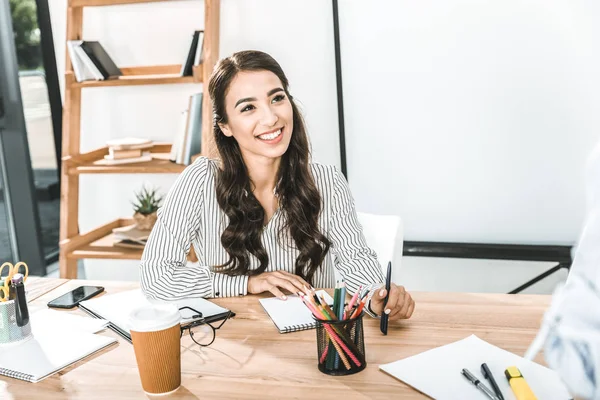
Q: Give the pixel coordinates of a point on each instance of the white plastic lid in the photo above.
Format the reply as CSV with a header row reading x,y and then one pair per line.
x,y
150,318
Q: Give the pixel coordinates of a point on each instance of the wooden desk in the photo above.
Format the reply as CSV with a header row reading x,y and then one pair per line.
x,y
37,286
251,360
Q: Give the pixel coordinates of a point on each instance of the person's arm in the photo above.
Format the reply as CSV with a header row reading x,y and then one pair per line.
x,y
165,273
354,259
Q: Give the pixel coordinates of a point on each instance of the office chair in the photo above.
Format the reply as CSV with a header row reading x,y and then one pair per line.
x,y
384,234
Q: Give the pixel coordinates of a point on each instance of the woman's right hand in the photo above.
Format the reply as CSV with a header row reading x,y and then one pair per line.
x,y
274,282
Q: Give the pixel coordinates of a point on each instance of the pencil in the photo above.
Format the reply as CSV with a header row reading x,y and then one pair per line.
x,y
326,307
353,300
341,354
358,309
341,343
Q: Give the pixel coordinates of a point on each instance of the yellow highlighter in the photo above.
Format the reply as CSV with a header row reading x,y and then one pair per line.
x,y
518,384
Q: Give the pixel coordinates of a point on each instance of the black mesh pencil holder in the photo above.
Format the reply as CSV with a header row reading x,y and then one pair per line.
x,y
341,346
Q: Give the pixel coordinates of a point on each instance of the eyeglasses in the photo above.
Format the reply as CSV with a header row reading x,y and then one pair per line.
x,y
202,332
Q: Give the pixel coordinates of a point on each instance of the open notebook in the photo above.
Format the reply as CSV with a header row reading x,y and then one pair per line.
x,y
437,372
291,315
48,352
117,307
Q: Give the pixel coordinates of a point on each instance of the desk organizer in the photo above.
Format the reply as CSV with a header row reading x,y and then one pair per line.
x,y
10,332
341,346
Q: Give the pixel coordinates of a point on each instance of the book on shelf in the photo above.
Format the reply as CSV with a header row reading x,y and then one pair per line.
x,y
114,154
128,150
90,61
145,157
129,143
178,138
83,68
194,54
188,139
101,59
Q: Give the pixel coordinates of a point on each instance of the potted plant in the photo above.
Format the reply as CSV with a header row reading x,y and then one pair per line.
x,y
145,208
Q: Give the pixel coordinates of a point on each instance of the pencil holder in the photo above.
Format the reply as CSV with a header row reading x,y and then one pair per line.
x,y
341,346
10,331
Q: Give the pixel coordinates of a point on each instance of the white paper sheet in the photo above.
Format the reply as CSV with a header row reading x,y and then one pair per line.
x,y
437,372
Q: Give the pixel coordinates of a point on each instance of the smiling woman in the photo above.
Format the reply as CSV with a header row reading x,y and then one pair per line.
x,y
263,217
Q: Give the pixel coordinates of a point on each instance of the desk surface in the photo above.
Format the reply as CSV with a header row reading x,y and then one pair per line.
x,y
250,359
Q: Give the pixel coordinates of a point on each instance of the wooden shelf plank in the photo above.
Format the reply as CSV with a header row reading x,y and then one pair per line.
x,y
93,163
143,75
93,3
99,244
137,80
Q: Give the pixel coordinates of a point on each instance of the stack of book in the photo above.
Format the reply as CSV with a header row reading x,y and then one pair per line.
x,y
128,150
130,237
91,62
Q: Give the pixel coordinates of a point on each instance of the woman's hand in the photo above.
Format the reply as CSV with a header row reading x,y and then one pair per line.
x,y
399,306
274,282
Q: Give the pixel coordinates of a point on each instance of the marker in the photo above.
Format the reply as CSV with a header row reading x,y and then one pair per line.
x,y
518,384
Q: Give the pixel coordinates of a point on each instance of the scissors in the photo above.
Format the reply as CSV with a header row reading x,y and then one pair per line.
x,y
12,270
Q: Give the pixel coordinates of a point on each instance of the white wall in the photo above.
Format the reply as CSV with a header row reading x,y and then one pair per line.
x,y
472,119
152,34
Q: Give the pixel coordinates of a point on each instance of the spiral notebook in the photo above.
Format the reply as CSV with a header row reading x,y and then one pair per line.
x,y
49,352
291,315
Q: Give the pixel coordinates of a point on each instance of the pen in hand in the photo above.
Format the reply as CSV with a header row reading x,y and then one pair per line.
x,y
384,316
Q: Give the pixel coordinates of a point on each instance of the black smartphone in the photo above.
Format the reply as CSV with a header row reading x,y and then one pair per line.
x,y
72,298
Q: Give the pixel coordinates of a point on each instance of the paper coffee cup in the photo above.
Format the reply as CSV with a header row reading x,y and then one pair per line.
x,y
155,333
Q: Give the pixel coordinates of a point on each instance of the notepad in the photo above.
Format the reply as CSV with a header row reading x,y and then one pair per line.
x,y
42,319
47,353
117,307
291,315
437,372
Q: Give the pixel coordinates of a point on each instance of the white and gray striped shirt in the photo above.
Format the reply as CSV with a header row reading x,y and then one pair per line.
x,y
191,215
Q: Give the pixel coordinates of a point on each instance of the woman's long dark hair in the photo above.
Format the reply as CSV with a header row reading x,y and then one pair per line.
x,y
298,196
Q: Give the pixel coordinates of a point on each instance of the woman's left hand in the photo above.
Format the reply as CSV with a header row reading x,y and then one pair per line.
x,y
400,304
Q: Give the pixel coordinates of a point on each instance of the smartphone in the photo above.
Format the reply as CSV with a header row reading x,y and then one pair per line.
x,y
72,298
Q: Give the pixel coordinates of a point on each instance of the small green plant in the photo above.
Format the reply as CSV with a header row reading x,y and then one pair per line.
x,y
147,201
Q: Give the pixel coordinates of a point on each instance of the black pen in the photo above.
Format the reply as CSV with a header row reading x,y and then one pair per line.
x,y
384,317
478,384
487,374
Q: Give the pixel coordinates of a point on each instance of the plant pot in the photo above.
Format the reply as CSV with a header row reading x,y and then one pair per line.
x,y
144,222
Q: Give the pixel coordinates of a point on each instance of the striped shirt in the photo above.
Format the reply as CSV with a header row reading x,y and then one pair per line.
x,y
191,215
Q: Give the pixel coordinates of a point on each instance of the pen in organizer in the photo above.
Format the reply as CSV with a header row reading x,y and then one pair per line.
x,y
17,283
487,374
478,384
383,326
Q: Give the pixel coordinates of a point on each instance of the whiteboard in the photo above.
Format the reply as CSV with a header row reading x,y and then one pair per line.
x,y
472,120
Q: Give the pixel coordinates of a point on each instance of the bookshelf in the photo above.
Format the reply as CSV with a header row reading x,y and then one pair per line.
x,y
97,243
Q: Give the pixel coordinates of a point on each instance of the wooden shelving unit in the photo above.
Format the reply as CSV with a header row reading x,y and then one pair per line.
x,y
98,242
